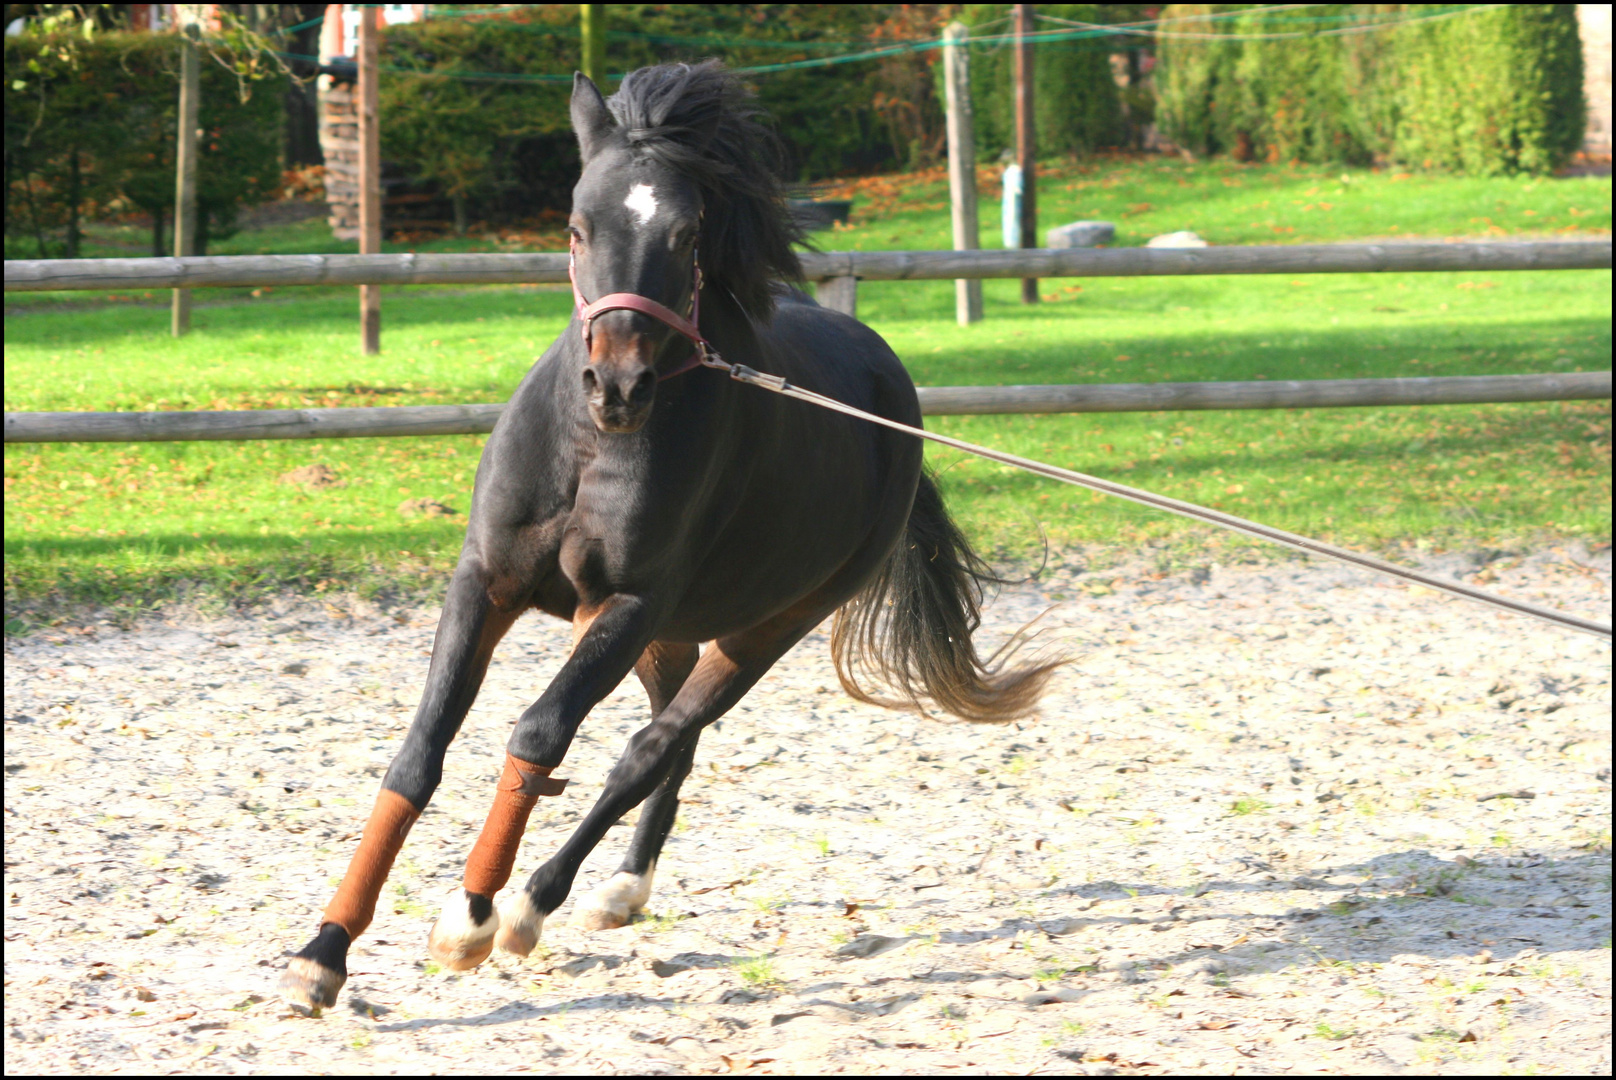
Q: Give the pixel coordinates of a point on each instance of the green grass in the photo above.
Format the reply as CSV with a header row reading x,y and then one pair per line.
x,y
758,972
1230,203
115,522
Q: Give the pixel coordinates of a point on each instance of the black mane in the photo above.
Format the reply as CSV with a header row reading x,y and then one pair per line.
x,y
746,241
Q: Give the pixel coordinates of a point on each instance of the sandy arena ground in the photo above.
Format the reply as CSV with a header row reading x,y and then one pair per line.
x,y
1275,818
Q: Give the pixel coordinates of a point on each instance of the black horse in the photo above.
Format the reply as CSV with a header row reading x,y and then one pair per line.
x,y
659,506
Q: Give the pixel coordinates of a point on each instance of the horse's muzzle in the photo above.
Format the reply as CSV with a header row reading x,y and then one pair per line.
x,y
620,395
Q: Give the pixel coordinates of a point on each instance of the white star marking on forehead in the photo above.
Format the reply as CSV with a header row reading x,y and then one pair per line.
x,y
641,200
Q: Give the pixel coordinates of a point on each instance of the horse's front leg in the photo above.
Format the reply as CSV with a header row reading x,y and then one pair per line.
x,y
469,628
609,637
725,672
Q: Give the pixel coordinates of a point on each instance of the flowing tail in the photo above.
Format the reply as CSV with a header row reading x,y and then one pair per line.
x,y
911,628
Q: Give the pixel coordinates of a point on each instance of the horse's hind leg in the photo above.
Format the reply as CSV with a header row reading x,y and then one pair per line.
x,y
663,670
468,630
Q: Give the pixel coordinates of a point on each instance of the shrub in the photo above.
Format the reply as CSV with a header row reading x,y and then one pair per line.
x,y
504,148
1075,101
90,128
1495,91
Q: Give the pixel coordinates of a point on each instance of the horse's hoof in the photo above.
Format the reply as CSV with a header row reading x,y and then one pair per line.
x,y
614,903
311,984
458,941
598,919
520,924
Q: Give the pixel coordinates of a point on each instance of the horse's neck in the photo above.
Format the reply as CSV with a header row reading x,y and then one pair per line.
x,y
738,337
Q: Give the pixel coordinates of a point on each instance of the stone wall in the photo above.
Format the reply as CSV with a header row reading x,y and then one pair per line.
x,y
339,142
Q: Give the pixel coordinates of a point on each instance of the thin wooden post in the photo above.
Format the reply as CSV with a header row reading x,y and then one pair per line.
x,y
962,165
185,158
1026,141
370,179
839,294
592,27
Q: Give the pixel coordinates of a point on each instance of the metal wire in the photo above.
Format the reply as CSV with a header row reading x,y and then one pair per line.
x,y
742,373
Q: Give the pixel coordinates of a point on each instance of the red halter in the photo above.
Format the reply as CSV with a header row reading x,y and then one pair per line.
x,y
704,354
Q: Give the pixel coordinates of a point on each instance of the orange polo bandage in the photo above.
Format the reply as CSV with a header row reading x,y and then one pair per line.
x,y
489,866
355,903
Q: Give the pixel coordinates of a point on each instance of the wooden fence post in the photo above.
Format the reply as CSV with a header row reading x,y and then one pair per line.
x,y
370,179
1026,141
962,165
185,158
838,294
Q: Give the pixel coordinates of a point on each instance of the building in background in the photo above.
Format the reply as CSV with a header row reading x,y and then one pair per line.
x,y
1593,22
339,108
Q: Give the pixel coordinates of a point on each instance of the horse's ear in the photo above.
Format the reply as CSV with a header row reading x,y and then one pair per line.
x,y
590,117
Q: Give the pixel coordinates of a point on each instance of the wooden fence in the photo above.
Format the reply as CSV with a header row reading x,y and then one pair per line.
x,y
837,275
35,427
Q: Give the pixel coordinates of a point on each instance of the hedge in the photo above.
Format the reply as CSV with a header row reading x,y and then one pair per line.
x,y
505,148
89,129
1489,92
1076,106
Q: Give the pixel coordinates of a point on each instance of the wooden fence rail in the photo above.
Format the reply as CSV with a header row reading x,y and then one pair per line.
x,y
934,401
837,272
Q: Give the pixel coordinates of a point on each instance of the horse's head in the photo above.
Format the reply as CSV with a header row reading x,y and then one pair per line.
x,y
634,226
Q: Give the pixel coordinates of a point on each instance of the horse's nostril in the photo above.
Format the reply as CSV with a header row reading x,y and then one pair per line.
x,y
591,381
643,385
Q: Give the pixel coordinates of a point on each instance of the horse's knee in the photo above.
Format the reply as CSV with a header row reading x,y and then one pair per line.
x,y
541,735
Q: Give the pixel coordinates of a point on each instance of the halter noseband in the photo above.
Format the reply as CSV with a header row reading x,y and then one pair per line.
x,y
703,356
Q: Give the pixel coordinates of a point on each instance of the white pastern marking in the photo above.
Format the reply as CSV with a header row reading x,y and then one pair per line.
x,y
614,903
456,925
642,200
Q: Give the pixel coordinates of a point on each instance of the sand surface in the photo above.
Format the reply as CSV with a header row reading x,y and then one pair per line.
x,y
1279,817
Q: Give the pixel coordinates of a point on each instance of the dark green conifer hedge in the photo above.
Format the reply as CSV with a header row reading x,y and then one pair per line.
x,y
89,128
1076,107
1493,91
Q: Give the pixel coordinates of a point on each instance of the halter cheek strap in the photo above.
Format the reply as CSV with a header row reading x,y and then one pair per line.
x,y
704,354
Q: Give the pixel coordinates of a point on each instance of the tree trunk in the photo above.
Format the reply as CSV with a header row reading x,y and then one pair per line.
x,y
75,192
459,202
185,161
592,30
33,215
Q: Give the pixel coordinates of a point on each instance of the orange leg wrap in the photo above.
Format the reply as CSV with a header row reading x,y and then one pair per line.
x,y
489,866
355,903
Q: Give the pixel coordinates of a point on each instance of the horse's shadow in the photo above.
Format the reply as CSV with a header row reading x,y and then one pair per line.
x,y
517,1011
1395,880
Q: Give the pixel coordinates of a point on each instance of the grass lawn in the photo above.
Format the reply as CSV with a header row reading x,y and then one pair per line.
x,y
109,521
